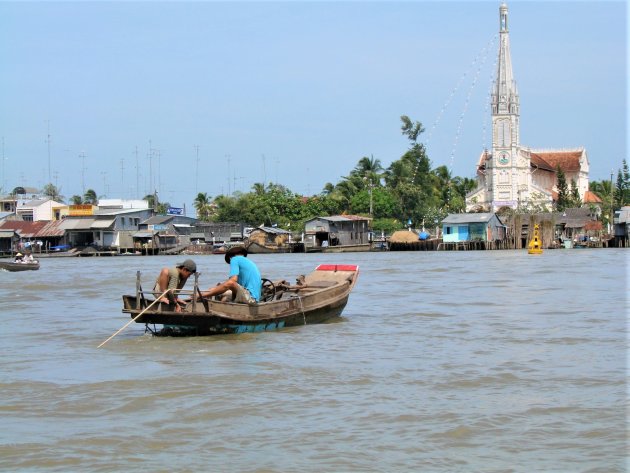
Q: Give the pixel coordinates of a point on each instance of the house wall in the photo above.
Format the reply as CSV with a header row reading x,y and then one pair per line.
x,y
492,230
455,232
353,232
345,232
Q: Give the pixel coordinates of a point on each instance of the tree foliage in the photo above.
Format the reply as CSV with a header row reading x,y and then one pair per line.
x,y
90,197
622,186
408,188
564,198
203,206
52,191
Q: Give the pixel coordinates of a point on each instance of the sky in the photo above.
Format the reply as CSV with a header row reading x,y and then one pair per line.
x,y
128,98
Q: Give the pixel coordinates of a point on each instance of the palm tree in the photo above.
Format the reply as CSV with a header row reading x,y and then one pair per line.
x,y
51,190
412,130
259,188
76,200
328,189
202,206
90,197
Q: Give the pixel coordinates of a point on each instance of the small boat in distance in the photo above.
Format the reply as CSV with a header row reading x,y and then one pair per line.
x,y
315,298
13,266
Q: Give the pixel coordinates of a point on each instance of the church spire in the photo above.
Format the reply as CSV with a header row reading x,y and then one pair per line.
x,y
504,95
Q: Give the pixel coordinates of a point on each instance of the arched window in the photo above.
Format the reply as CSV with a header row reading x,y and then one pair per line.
x,y
504,133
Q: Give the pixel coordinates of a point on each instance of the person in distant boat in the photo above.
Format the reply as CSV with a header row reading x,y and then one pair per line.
x,y
174,278
28,258
19,258
244,280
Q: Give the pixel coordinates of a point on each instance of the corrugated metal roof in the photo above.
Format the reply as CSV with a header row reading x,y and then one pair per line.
x,y
103,223
468,218
157,219
142,235
274,230
24,229
70,223
341,218
7,233
118,211
575,217
51,229
624,215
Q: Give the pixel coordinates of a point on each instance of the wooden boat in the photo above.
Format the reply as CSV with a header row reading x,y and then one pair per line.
x,y
265,240
347,248
254,247
12,266
314,298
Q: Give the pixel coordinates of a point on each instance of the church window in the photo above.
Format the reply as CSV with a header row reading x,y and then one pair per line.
x,y
504,133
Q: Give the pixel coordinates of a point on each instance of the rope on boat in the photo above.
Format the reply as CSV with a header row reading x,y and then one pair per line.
x,y
302,306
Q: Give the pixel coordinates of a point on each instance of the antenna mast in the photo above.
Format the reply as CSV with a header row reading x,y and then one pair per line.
x,y
48,143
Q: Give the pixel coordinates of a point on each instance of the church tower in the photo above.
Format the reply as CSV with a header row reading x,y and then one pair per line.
x,y
510,174
505,168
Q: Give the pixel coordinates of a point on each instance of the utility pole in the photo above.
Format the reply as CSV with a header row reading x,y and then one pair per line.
x,y
137,175
82,156
3,158
264,172
122,177
229,158
48,143
197,172
105,190
150,156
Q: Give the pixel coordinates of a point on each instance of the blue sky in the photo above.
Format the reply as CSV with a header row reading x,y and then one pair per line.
x,y
291,92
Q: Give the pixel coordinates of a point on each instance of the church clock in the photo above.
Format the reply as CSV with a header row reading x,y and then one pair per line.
x,y
504,158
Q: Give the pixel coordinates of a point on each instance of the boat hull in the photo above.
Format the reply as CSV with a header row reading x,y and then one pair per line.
x,y
203,324
256,248
339,248
14,267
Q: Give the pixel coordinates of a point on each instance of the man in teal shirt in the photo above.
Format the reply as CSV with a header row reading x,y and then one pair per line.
x,y
244,279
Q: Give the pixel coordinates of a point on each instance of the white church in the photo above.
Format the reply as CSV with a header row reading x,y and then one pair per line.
x,y
512,175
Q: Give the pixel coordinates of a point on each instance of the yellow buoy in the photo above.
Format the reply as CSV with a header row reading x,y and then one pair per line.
x,y
535,245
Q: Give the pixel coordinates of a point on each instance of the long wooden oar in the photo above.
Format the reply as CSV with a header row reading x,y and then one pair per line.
x,y
134,319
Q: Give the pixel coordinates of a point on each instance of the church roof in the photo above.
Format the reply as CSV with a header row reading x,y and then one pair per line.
x,y
591,198
550,160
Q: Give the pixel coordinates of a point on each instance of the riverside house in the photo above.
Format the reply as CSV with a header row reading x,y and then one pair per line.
x,y
473,227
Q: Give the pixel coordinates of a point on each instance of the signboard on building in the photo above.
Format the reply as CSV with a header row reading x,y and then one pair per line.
x,y
175,211
81,210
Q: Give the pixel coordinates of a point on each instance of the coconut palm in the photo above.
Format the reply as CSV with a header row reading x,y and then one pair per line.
x,y
203,206
258,188
52,191
90,197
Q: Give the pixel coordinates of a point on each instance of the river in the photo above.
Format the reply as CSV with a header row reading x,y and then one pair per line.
x,y
493,361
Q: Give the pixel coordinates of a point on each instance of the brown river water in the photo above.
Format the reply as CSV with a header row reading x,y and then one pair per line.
x,y
482,361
